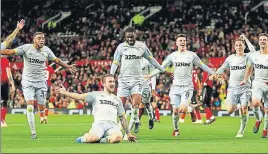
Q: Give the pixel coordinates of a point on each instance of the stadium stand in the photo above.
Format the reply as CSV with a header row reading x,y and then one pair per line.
x,y
94,29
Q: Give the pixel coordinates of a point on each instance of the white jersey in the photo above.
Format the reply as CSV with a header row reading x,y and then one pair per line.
x,y
237,66
106,107
260,63
147,69
34,68
183,66
130,60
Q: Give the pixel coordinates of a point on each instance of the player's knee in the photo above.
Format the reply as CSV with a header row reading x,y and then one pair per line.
x,y
31,102
116,138
175,111
154,105
41,107
183,108
92,138
30,108
266,110
255,102
230,109
244,110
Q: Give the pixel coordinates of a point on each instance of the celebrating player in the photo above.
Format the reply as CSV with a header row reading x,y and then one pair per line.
x,y
236,93
195,101
106,107
259,61
34,75
181,90
6,76
130,81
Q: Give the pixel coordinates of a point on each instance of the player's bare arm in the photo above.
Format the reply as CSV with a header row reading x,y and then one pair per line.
x,y
12,36
70,68
249,70
250,46
75,96
10,78
8,52
124,124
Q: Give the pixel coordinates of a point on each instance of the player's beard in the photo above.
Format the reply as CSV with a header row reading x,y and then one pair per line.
x,y
110,89
132,42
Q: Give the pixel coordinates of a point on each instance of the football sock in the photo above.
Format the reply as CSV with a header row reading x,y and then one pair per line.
x,y
175,118
30,117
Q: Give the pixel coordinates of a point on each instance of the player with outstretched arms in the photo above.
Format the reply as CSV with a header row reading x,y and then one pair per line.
x,y
147,90
236,63
6,75
106,107
181,90
259,61
34,75
129,56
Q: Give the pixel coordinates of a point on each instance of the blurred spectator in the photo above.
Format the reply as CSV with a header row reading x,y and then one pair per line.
x,y
211,27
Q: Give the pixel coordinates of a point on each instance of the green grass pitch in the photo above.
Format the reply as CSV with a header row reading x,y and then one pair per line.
x,y
58,136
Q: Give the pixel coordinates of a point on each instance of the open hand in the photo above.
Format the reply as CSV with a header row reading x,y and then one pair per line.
x,y
20,24
71,68
59,89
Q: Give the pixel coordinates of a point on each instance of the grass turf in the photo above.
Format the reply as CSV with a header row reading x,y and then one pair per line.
x,y
58,136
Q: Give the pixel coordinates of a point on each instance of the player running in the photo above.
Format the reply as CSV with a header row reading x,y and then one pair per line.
x,y
6,75
193,108
34,75
259,61
130,80
181,90
237,93
147,90
106,107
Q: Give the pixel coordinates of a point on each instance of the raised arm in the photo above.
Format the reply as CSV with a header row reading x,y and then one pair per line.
x,y
8,52
116,61
12,36
250,46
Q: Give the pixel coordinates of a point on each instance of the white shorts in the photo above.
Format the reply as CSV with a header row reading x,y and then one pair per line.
x,y
180,95
104,128
128,88
34,90
235,98
146,94
259,91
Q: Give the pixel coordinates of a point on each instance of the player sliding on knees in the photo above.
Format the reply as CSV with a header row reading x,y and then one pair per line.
x,y
259,61
34,74
106,107
236,63
130,80
181,90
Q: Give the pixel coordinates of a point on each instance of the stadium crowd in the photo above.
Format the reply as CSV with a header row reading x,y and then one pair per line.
x,y
210,29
